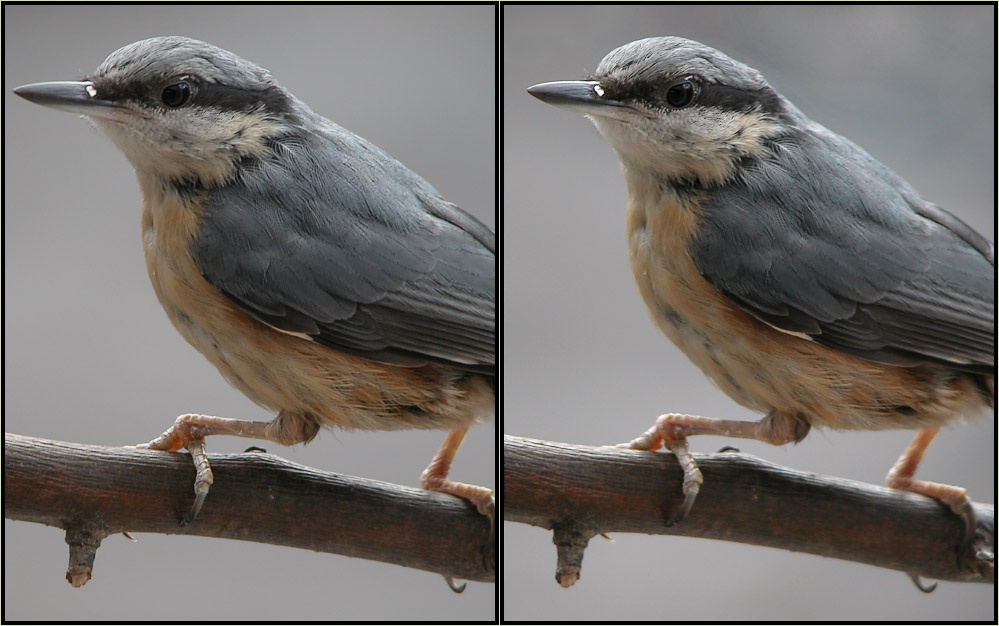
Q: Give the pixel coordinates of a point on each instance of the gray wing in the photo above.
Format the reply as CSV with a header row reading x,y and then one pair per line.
x,y
854,258
363,257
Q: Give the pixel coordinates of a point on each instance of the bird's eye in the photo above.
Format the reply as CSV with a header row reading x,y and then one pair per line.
x,y
176,94
681,94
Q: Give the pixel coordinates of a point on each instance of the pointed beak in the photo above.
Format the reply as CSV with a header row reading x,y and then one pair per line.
x,y
583,96
78,97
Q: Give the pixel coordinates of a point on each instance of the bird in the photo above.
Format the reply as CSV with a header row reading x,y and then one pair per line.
x,y
325,280
806,279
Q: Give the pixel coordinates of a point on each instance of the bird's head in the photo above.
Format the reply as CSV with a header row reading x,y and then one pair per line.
x,y
179,109
675,108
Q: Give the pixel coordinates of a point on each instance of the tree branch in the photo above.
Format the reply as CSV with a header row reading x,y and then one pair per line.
x,y
580,491
93,492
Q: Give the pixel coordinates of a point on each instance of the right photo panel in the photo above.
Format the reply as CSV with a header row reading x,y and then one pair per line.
x,y
748,277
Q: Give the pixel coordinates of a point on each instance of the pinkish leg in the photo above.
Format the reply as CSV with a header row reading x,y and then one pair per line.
x,y
434,478
671,430
189,431
902,476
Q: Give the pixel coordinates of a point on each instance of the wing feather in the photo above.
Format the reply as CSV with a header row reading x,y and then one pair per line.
x,y
334,239
856,259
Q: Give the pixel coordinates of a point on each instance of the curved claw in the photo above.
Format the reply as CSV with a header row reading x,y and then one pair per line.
x,y
918,582
200,493
688,503
488,509
202,481
489,548
970,523
455,588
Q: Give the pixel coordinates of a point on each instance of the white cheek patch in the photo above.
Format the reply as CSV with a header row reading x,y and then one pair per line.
x,y
192,143
699,143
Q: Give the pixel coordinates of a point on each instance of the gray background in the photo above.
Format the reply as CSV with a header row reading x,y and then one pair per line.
x,y
916,87
90,356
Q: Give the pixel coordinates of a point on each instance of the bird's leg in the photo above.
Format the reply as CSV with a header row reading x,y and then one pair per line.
x,y
901,476
671,430
189,431
434,478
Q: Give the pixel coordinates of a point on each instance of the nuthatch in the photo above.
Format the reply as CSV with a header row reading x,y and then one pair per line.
x,y
806,279
324,279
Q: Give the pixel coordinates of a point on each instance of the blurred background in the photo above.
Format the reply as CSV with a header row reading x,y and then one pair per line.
x,y
89,356
913,85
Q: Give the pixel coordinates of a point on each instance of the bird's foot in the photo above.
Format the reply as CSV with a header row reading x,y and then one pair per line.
x,y
902,476
670,431
188,432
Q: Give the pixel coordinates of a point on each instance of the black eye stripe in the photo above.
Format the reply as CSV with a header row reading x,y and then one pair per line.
x,y
224,97
733,99
708,94
227,98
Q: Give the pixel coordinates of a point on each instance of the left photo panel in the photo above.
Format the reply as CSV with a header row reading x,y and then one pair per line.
x,y
250,293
